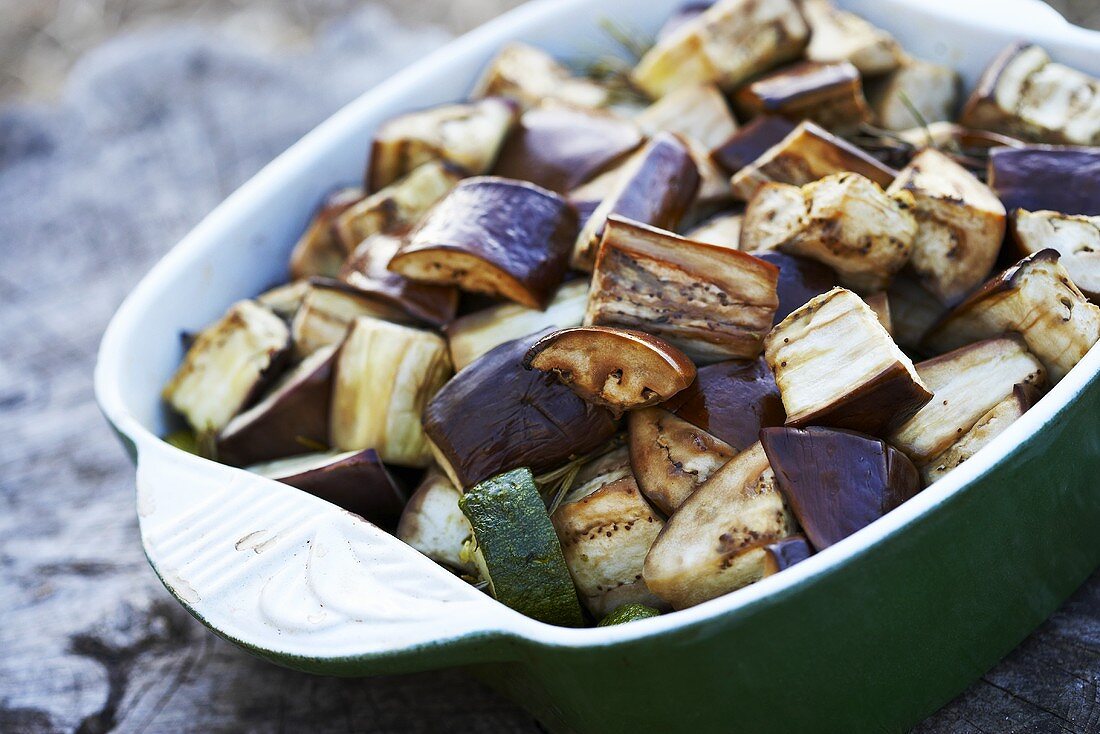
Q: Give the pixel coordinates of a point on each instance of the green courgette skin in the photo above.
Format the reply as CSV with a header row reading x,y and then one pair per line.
x,y
520,549
628,613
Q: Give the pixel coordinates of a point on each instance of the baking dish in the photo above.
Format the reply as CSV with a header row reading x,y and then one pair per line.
x,y
873,633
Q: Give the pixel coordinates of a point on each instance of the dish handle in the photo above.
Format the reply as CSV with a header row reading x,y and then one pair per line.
x,y
300,581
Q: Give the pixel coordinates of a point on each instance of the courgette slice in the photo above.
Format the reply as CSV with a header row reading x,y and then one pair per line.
x,y
517,550
628,613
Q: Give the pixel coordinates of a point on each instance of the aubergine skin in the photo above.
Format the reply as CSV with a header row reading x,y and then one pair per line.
x,y
732,401
783,554
837,481
750,141
494,416
559,148
365,271
517,229
295,423
361,484
1037,177
800,279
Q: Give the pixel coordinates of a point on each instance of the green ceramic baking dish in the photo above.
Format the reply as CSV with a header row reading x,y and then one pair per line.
x,y
872,634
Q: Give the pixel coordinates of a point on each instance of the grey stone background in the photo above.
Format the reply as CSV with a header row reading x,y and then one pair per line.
x,y
147,134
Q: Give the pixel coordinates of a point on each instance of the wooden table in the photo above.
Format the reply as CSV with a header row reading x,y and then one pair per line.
x,y
153,132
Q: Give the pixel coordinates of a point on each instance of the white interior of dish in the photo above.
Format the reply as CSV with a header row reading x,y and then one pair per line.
x,y
242,248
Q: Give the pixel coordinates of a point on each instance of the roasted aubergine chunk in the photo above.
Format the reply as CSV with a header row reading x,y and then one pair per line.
x,y
913,312
844,221
319,250
731,400
672,457
989,426
227,366
713,303
367,271
560,148
809,152
726,44
357,481
697,112
606,527
496,236
916,93
433,523
800,279
715,543
385,375
292,418
397,206
1076,238
1025,94
472,335
751,141
960,225
620,369
723,229
655,187
1039,177
836,365
530,76
837,481
494,414
966,384
1035,298
837,35
467,135
327,311
830,94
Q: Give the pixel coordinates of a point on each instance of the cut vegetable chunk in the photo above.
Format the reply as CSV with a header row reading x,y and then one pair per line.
x,y
319,250
385,375
517,550
466,135
844,221
830,94
227,366
628,613
470,336
433,523
837,35
291,419
837,482
328,309
606,528
988,427
1076,238
913,311
726,44
494,414
836,365
697,111
495,236
1039,177
357,481
773,215
559,148
530,75
723,230
655,187
621,369
671,457
711,302
1023,93
967,383
367,272
397,206
714,544
932,90
731,400
960,225
1036,298
785,553
285,300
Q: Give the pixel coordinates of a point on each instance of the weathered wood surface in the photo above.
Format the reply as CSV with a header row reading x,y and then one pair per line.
x,y
152,133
